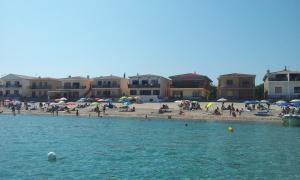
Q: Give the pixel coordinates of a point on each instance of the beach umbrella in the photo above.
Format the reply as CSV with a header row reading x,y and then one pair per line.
x,y
222,100
108,100
7,100
282,103
71,103
127,103
195,102
295,101
61,102
96,99
264,101
101,100
63,99
95,104
53,104
123,97
210,104
251,102
178,101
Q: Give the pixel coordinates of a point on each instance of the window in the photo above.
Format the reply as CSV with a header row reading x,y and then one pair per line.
x,y
1,93
145,82
135,82
196,94
145,92
154,82
178,94
296,89
33,94
114,84
278,90
16,92
133,92
156,92
99,83
229,82
7,83
7,92
99,93
245,83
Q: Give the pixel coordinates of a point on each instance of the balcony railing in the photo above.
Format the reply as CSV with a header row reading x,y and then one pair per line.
x,y
144,86
74,87
40,87
106,86
189,86
11,86
236,87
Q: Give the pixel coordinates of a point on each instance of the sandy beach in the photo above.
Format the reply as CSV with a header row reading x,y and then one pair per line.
x,y
151,110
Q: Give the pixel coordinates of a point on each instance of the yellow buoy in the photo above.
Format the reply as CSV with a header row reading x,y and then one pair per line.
x,y
230,129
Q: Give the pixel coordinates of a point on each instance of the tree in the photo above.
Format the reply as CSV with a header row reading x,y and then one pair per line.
x,y
259,91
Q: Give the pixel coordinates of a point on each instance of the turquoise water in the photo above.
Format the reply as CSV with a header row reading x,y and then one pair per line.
x,y
116,148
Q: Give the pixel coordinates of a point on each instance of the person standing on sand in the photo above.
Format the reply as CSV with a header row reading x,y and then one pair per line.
x,y
13,109
77,112
104,108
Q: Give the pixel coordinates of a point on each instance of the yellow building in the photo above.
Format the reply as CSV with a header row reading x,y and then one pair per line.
x,y
39,87
73,88
110,87
190,86
236,86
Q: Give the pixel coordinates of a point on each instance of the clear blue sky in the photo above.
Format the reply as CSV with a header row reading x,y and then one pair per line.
x,y
166,37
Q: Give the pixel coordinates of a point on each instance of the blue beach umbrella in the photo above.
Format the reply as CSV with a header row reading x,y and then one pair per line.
x,y
127,103
282,103
251,102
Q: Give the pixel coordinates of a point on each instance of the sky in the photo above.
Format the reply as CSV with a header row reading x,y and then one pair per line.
x,y
59,38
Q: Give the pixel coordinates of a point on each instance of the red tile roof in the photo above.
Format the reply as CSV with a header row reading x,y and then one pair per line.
x,y
190,75
237,75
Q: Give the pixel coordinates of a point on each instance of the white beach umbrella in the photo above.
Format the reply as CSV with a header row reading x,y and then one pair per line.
x,y
61,102
178,101
295,100
63,99
281,102
222,100
264,101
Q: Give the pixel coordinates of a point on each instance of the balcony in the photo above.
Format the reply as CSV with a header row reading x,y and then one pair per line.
x,y
12,86
74,87
40,87
144,85
106,86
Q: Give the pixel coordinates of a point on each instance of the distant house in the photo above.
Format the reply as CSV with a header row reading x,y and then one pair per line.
x,y
73,88
283,84
236,86
110,87
15,86
149,87
39,87
190,86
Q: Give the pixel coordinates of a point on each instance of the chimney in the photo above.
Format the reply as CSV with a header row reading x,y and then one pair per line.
x,y
70,76
268,71
124,76
88,76
285,68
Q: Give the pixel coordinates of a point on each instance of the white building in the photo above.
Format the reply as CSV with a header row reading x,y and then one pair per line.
x,y
149,87
15,86
283,84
